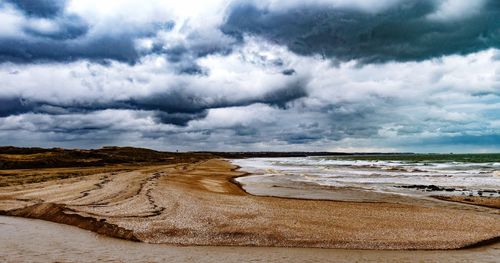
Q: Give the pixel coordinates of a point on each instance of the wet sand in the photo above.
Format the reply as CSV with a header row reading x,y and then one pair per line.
x,y
274,186
41,241
492,202
197,204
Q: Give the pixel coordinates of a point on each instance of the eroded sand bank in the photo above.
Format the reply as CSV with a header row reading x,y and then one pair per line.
x,y
27,240
197,204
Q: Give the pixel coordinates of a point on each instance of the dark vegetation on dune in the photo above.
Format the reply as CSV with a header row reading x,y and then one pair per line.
x,y
29,158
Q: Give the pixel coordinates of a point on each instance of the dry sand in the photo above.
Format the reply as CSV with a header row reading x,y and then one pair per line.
x,y
197,204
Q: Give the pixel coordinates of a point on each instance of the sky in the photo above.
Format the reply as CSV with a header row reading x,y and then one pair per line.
x,y
255,75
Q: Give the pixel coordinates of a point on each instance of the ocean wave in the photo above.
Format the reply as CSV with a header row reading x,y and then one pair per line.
x,y
379,175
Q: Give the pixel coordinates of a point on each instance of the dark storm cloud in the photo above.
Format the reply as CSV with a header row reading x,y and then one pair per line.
x,y
179,118
40,8
67,40
27,51
288,72
182,101
403,32
196,45
179,107
70,27
281,97
12,106
71,38
176,107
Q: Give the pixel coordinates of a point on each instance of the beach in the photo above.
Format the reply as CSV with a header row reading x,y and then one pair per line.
x,y
37,240
198,203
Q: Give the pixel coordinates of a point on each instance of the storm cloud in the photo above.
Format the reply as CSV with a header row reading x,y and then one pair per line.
x,y
41,8
393,75
406,31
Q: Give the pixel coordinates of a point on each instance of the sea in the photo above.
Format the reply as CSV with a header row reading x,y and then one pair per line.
x,y
409,174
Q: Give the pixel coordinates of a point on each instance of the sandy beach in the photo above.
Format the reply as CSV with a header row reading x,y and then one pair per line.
x,y
196,203
38,240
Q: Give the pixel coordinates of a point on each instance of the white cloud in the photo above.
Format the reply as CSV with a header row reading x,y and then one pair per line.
x,y
43,25
456,9
256,114
370,6
192,13
12,21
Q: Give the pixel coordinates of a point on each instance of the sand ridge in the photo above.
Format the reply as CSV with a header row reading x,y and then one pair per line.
x,y
197,204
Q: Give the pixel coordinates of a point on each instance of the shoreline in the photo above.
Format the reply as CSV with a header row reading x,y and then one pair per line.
x,y
275,191
214,180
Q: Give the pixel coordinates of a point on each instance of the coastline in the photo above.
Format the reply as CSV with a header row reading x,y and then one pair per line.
x,y
199,204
